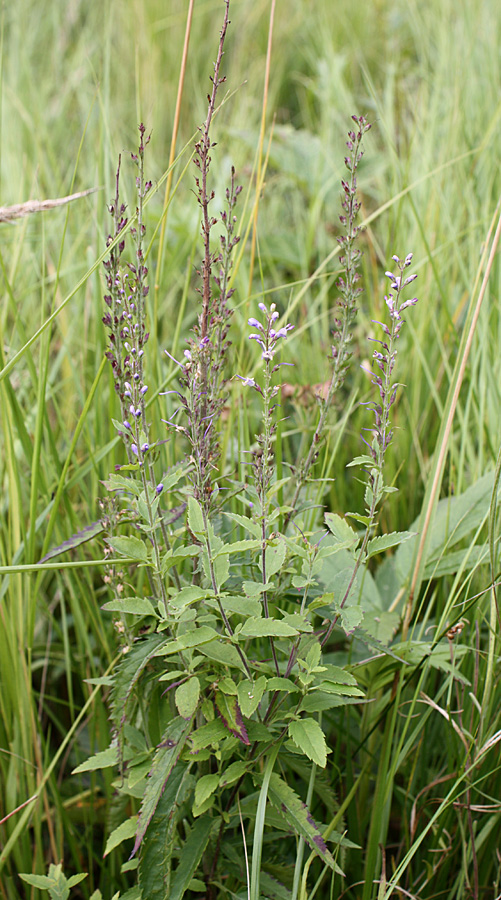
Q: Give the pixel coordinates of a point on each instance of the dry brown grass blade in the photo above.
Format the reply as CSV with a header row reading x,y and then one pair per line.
x,y
19,210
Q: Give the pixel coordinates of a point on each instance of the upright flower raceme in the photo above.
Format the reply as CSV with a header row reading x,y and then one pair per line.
x,y
384,358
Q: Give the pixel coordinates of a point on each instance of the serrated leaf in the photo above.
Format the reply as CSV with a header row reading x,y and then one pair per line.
x,y
274,556
164,762
231,716
124,831
309,737
159,842
134,606
205,787
250,694
196,518
187,696
76,540
192,638
351,617
282,684
187,596
255,627
227,686
208,734
299,817
193,850
102,760
129,546
364,520
232,773
223,652
253,527
242,606
337,675
338,526
237,547
385,541
119,483
361,461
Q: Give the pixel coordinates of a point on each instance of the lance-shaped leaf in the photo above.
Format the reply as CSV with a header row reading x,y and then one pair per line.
x,y
81,537
191,856
283,798
309,737
231,715
164,762
155,867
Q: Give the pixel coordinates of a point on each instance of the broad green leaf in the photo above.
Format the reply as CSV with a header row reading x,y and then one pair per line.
x,y
187,696
337,675
129,546
286,801
339,527
237,547
242,606
208,734
385,541
458,561
124,831
281,684
164,762
250,694
223,652
227,686
135,606
231,716
360,461
309,737
330,687
254,589
250,526
187,596
193,638
205,787
119,483
233,773
274,557
295,620
351,616
196,518
255,627
102,760
314,655
193,850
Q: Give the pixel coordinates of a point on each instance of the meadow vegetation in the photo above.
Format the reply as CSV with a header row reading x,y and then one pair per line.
x,y
249,619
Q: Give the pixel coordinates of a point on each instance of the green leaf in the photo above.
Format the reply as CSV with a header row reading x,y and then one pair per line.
x,y
364,520
155,868
119,483
124,831
274,556
164,762
255,627
250,526
233,773
135,606
282,684
102,760
296,620
337,675
360,461
192,638
385,541
187,696
351,617
223,652
237,547
196,518
250,694
205,787
208,734
193,850
129,546
231,716
309,737
76,540
187,596
340,529
286,801
242,606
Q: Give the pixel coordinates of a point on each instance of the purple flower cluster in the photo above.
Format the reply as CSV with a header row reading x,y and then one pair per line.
x,y
268,339
385,358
